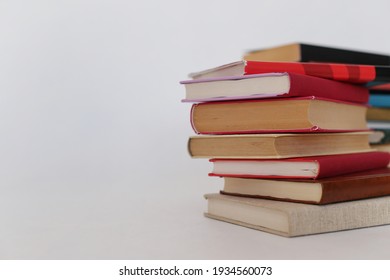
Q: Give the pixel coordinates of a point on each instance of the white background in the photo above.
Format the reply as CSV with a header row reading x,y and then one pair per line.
x,y
93,159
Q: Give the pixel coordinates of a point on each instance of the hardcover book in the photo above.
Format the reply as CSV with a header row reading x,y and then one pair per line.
x,y
379,99
378,114
316,53
370,75
277,145
382,147
378,125
314,167
380,133
297,219
272,85
308,114
353,186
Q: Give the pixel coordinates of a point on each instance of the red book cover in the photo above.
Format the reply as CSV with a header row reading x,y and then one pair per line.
x,y
340,72
214,89
322,166
302,85
372,76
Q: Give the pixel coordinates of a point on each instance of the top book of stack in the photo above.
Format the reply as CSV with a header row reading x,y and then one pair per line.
x,y
369,69
300,52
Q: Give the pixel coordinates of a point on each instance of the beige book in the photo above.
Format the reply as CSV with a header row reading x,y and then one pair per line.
x,y
278,115
378,114
296,219
277,145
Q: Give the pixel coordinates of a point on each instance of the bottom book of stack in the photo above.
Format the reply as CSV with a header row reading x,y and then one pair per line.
x,y
296,219
303,207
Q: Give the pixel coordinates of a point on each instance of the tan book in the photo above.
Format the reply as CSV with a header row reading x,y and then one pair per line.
x,y
275,115
378,114
277,145
296,219
382,147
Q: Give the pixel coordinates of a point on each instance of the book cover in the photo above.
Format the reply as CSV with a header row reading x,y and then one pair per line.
x,y
277,145
283,115
297,219
315,167
351,73
379,99
352,186
272,85
304,52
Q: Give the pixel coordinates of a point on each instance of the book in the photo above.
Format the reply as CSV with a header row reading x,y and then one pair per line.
x,y
277,145
315,167
352,186
380,132
371,75
380,136
385,87
379,99
297,219
377,125
316,53
271,85
385,147
309,114
378,114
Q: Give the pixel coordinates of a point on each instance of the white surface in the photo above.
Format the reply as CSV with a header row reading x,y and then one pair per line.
x,y
93,160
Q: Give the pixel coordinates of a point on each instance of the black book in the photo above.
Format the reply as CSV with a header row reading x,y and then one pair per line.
x,y
301,52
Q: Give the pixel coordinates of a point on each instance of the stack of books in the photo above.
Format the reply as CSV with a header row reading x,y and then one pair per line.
x,y
378,117
291,141
372,69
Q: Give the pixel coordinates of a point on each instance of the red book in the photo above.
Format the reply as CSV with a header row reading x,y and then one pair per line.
x,y
314,167
272,85
374,75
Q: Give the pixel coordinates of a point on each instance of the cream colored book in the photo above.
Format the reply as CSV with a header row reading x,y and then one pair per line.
x,y
296,219
277,145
